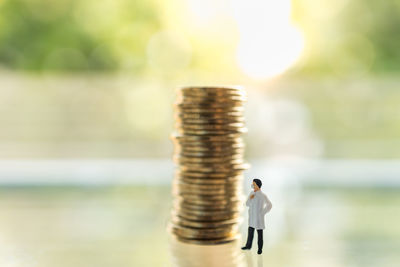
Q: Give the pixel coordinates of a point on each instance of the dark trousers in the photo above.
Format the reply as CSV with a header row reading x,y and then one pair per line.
x,y
250,236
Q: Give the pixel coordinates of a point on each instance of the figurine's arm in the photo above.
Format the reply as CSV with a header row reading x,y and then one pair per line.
x,y
268,205
248,200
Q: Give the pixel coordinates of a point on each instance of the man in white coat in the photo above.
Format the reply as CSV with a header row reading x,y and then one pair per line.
x,y
259,205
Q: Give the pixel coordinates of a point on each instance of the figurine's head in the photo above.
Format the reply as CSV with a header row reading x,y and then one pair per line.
x,y
257,184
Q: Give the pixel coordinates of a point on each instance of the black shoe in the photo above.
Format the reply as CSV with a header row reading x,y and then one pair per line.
x,y
244,248
259,251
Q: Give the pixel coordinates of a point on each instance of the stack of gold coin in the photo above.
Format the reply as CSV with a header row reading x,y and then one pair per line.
x,y
208,152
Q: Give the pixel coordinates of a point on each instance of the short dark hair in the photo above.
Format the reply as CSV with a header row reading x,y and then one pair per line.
x,y
258,182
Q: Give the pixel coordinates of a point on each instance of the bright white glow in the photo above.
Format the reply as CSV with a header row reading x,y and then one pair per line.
x,y
269,44
203,11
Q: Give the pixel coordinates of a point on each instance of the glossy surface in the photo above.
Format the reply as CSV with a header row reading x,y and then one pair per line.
x,y
125,226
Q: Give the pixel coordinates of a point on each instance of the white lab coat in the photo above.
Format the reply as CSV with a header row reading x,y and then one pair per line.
x,y
258,207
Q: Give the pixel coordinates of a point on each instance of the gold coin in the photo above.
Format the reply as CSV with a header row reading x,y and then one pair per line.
x,y
200,181
210,99
190,141
198,124
184,185
228,197
209,208
212,106
227,115
221,168
204,232
214,165
203,193
209,110
227,138
206,182
208,140
198,224
215,146
211,92
206,210
195,210
206,160
210,132
209,217
234,88
203,207
208,186
223,127
200,201
210,193
189,237
195,174
212,96
209,152
209,157
205,202
212,121
210,201
234,154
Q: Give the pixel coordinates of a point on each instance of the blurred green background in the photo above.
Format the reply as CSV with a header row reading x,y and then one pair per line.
x,y
86,109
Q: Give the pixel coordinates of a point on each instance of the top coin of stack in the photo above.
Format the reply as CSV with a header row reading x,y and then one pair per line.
x,y
208,151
